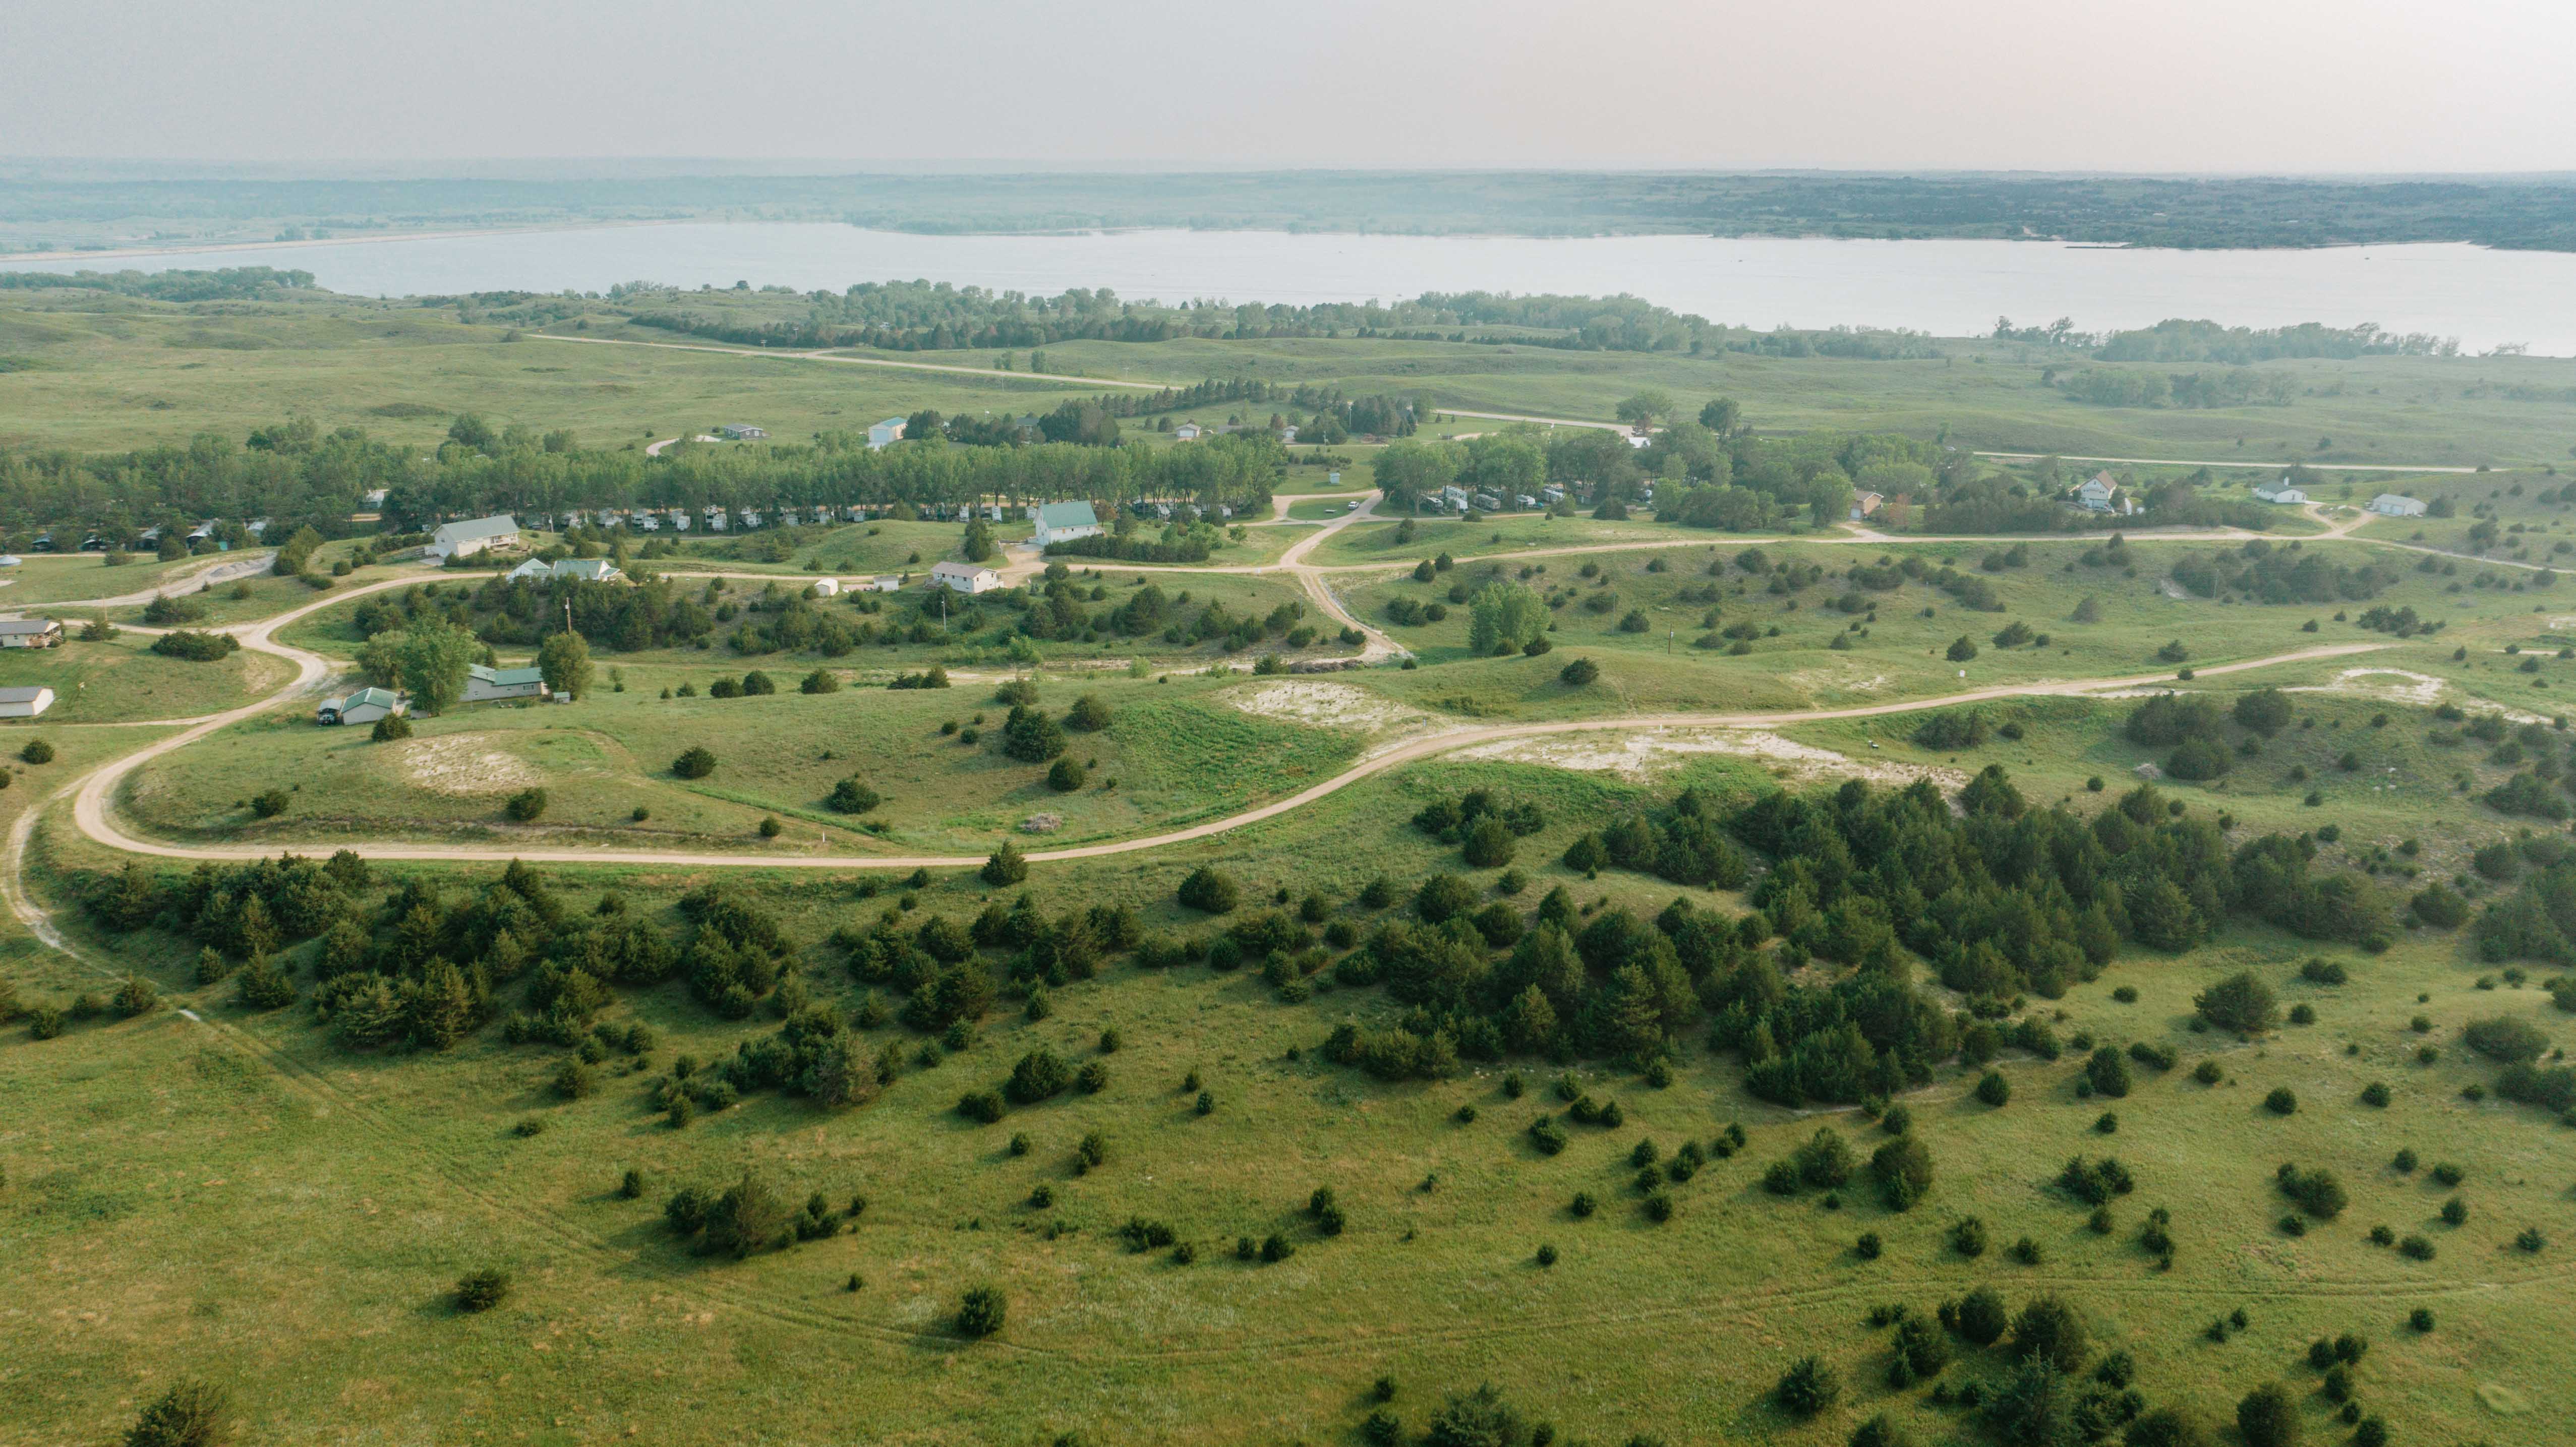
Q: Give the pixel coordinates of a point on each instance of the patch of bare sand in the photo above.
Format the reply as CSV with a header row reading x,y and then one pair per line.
x,y
463,764
1647,752
1330,705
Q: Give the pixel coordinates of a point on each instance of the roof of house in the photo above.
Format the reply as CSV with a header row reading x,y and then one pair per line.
x,y
958,570
593,569
889,422
499,525
2395,497
2099,482
505,677
1067,515
28,625
381,697
24,695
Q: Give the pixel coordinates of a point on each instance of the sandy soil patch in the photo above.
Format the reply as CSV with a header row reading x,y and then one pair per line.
x,y
1821,680
1327,705
464,764
1647,752
2397,685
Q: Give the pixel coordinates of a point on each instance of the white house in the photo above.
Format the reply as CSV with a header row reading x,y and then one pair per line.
x,y
1186,432
25,702
465,539
2280,494
827,587
1866,505
2396,505
2096,493
1060,522
363,707
881,583
964,577
741,432
485,684
885,434
30,633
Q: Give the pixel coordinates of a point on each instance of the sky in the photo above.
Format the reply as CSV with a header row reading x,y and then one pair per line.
x,y
2213,86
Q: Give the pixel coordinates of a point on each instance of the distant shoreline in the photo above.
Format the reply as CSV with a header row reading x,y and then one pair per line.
x,y
451,234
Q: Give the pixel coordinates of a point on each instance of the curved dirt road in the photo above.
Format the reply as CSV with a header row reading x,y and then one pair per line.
x,y
92,814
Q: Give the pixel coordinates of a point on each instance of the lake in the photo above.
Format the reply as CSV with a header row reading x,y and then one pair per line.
x,y
1951,288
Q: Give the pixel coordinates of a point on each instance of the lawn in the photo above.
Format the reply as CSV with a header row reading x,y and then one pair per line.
x,y
1173,753
123,681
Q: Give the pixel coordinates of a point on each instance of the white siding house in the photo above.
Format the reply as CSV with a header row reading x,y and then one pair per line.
x,y
2397,505
2280,494
465,539
1060,522
30,633
965,577
483,685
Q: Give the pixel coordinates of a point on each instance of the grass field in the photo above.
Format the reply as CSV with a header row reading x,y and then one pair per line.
x,y
1172,754
256,1133
235,1195
123,681
121,373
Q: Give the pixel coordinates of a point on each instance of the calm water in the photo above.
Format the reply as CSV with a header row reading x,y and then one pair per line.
x,y
1953,288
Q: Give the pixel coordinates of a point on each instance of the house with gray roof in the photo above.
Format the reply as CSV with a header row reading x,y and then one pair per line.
x,y
1061,522
465,539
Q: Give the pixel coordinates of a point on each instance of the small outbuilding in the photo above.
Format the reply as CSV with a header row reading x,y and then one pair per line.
x,y
883,435
25,702
363,707
1866,505
741,432
827,587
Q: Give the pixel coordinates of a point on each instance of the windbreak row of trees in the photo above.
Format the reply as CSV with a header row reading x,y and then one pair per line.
x,y
909,316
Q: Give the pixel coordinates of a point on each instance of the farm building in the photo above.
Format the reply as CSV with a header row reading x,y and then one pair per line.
x,y
2280,494
25,702
741,432
363,707
2397,505
885,434
1060,522
465,539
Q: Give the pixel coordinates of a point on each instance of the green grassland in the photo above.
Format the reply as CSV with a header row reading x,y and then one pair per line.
x,y
42,578
229,1194
122,680
1174,753
251,1154
105,372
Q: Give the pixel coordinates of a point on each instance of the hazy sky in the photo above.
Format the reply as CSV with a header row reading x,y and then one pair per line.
x,y
2170,85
